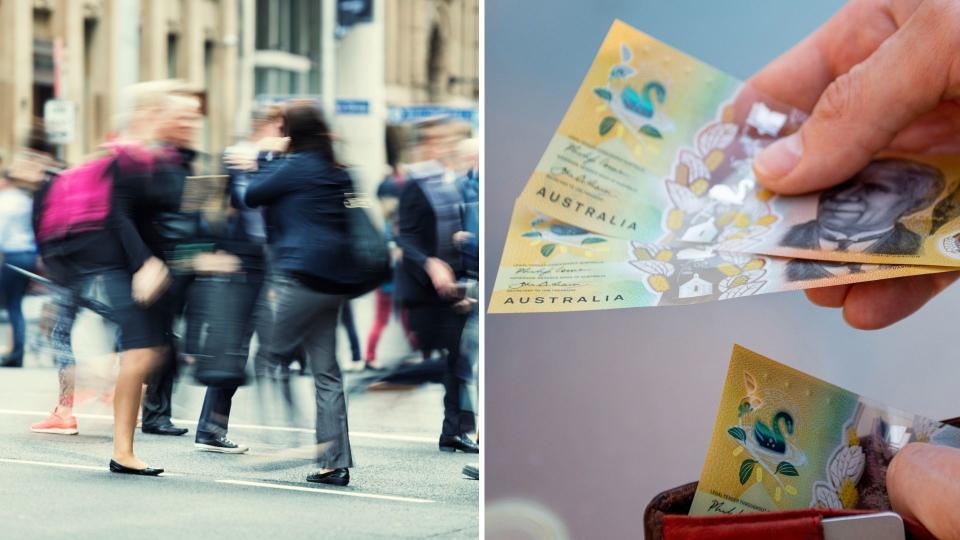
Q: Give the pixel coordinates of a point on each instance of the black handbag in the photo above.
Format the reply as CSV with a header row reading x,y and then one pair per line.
x,y
366,250
217,330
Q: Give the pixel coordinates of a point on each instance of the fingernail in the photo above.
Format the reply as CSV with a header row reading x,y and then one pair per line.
x,y
778,159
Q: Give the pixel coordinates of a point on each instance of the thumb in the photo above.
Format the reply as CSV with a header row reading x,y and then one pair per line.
x,y
861,111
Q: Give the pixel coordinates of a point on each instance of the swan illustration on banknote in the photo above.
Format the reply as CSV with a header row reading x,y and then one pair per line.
x,y
634,106
766,440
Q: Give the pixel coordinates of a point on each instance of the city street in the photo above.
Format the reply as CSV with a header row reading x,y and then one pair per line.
x,y
55,486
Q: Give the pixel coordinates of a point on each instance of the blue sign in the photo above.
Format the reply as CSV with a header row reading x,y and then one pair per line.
x,y
353,106
263,100
415,113
351,12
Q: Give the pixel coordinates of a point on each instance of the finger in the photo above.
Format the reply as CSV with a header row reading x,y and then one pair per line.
x,y
922,481
799,76
831,297
878,304
936,132
862,111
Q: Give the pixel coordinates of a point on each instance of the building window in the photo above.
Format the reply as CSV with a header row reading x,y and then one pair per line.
x,y
172,56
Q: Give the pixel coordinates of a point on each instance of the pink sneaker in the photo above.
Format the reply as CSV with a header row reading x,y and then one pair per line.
x,y
56,424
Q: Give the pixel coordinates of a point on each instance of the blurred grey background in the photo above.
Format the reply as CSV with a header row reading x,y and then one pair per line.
x,y
589,415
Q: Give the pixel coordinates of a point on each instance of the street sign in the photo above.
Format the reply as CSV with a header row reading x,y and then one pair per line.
x,y
59,119
264,100
414,113
351,12
353,106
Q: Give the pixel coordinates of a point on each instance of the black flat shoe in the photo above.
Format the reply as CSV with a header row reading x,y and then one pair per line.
x,y
11,361
452,443
472,471
122,469
168,429
336,477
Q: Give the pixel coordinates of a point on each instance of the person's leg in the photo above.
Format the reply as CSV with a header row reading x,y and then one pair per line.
x,y
451,330
14,285
61,337
215,412
158,398
284,317
67,374
135,365
346,316
56,327
407,331
333,438
380,319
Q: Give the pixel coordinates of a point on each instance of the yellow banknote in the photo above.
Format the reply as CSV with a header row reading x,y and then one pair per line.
x,y
550,265
786,440
657,147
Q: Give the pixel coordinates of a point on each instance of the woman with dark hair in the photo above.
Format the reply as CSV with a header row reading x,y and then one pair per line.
x,y
304,196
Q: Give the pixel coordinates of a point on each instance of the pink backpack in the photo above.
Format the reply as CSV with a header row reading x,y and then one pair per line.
x,y
77,201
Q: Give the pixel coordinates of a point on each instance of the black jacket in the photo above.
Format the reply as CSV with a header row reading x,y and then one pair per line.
x,y
419,239
307,232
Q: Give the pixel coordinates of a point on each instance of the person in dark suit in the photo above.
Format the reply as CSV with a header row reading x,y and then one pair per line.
x,y
246,237
863,215
429,218
304,196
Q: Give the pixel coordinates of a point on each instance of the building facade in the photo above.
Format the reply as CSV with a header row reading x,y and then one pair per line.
x,y
368,53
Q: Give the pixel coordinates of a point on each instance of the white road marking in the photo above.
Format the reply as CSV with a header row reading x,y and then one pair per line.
x,y
68,466
232,482
325,491
60,465
399,437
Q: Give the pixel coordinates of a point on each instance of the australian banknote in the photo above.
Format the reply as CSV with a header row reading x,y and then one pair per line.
x,y
784,440
550,265
657,147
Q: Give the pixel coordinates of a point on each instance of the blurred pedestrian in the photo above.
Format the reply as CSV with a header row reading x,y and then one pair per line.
x,y
305,195
18,248
91,246
388,195
175,235
245,237
430,216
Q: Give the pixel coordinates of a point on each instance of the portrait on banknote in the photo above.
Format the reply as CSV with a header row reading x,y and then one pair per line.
x,y
865,214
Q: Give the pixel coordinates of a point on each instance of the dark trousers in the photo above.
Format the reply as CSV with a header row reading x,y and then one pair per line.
x,y
215,413
346,317
439,328
296,316
13,287
158,399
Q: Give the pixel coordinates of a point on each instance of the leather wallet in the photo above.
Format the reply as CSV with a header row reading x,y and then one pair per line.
x,y
665,518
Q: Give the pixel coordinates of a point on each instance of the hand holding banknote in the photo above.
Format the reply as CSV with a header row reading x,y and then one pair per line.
x,y
877,76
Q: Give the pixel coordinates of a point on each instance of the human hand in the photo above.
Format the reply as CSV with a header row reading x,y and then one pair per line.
x,y
442,277
877,76
923,482
240,161
273,144
465,306
150,281
220,262
461,237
